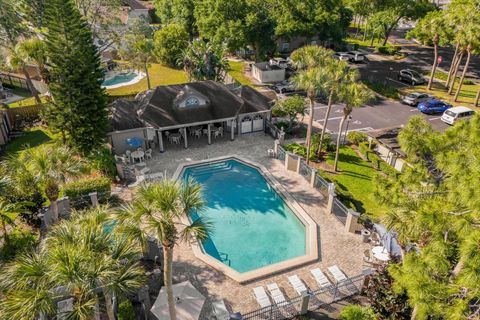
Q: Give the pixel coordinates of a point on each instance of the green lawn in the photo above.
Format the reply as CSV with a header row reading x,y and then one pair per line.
x,y
32,137
236,71
26,102
159,75
355,182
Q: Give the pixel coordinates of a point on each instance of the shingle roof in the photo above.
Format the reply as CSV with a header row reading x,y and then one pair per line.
x,y
135,5
159,107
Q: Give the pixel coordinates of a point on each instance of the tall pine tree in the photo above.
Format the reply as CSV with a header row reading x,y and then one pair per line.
x,y
79,105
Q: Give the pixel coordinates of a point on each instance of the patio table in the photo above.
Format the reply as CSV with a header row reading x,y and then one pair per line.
x,y
379,249
382,256
139,154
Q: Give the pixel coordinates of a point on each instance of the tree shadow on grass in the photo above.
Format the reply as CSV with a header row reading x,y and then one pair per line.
x,y
30,139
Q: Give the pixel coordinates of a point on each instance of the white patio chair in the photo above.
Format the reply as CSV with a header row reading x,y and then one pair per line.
x,y
297,284
205,132
128,154
262,297
276,294
320,277
220,131
198,133
148,154
337,274
220,310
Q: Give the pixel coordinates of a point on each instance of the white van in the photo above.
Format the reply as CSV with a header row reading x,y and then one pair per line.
x,y
452,115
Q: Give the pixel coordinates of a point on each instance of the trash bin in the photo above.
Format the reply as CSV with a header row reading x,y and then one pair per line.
x,y
365,235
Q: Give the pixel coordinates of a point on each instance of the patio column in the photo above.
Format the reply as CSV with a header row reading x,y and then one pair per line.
x,y
185,137
209,134
160,140
232,130
239,126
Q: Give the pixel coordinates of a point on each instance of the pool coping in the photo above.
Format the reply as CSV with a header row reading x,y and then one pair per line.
x,y
137,79
311,242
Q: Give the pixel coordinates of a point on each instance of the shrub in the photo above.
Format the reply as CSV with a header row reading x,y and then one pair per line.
x,y
388,49
170,41
357,312
102,160
468,82
384,300
356,137
20,240
125,311
77,191
301,149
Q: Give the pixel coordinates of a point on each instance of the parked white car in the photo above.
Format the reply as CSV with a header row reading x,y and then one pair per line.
x,y
355,56
284,86
455,114
343,56
280,62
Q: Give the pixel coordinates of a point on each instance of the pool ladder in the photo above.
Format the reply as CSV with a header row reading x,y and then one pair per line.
x,y
225,259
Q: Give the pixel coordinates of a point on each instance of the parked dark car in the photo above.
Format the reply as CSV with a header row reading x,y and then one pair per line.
x,y
411,76
433,106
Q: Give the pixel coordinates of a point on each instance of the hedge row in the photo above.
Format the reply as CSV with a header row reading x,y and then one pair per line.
x,y
77,191
376,161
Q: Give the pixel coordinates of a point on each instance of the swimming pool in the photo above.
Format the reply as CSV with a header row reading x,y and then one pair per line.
x,y
119,79
253,226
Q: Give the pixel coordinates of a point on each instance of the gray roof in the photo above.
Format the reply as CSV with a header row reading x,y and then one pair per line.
x,y
159,108
388,138
135,5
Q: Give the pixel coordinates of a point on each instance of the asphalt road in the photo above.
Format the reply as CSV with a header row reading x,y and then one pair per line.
x,y
381,115
382,69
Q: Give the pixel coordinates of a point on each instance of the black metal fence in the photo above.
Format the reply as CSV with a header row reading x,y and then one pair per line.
x,y
317,299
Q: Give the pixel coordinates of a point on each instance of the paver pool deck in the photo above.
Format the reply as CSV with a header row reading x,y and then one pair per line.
x,y
336,247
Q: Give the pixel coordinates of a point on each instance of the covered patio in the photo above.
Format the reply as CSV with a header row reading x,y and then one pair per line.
x,y
175,116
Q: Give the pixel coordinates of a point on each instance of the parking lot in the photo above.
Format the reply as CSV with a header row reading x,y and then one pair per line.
x,y
383,114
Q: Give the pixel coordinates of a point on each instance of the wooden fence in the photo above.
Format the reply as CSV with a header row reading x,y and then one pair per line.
x,y
24,114
13,81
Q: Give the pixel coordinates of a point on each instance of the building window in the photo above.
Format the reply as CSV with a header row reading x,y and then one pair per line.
x,y
192,101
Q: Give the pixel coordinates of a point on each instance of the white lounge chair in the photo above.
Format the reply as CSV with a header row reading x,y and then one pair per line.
x,y
262,297
297,284
337,274
220,310
276,294
320,277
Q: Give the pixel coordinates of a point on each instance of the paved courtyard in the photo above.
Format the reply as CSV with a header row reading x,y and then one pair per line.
x,y
336,246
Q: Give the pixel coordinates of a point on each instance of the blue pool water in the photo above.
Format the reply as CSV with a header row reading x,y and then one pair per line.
x,y
119,78
252,225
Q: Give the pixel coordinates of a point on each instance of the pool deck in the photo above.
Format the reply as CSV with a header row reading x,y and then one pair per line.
x,y
336,247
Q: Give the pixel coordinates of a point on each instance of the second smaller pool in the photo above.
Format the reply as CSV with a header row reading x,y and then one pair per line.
x,y
121,79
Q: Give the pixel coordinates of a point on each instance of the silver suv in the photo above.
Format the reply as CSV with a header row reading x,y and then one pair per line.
x,y
411,76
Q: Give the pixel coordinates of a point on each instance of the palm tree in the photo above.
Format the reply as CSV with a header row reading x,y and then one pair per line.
x,y
204,61
17,61
311,61
110,257
9,213
311,81
159,209
48,167
354,96
338,76
34,50
431,28
82,258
